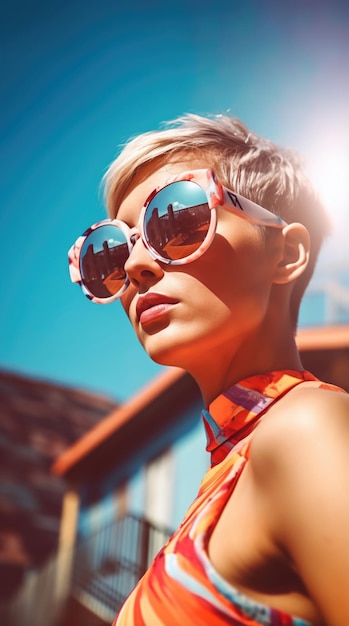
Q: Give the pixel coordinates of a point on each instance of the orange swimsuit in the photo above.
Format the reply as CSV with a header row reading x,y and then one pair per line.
x,y
181,587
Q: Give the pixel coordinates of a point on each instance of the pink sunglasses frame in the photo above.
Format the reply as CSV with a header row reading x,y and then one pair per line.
x,y
217,195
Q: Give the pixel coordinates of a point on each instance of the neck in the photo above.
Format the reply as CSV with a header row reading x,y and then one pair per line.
x,y
227,365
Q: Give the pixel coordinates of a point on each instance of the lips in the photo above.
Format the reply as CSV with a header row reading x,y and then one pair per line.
x,y
152,304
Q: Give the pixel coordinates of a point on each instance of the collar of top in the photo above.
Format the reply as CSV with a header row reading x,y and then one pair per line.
x,y
235,413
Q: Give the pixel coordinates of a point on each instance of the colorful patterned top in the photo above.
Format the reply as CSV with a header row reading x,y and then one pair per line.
x,y
181,587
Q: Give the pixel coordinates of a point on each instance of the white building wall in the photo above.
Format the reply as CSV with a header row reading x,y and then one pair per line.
x,y
159,489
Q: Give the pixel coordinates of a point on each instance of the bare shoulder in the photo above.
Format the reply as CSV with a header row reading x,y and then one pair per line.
x,y
306,418
300,466
299,455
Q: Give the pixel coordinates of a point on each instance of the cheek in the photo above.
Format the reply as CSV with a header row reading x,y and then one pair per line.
x,y
235,281
225,267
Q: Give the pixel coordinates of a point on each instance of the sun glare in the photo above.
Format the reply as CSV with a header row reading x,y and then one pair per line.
x,y
328,168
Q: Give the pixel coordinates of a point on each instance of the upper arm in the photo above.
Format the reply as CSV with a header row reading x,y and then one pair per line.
x,y
300,463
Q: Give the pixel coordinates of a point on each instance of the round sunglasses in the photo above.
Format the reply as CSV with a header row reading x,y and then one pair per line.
x,y
177,224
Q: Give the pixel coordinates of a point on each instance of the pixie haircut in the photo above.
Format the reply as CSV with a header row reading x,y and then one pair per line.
x,y
244,162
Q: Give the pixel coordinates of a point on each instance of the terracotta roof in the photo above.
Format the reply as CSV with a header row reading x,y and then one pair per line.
x,y
39,420
117,419
308,339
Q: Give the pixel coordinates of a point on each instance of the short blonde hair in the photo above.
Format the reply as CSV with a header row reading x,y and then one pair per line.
x,y
245,162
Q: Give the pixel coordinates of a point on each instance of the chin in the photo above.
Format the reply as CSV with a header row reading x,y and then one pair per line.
x,y
163,357
161,350
171,352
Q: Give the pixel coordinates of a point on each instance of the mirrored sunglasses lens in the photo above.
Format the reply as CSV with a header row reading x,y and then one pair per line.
x,y
177,220
102,260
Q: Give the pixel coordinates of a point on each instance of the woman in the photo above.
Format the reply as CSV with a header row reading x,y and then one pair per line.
x,y
213,237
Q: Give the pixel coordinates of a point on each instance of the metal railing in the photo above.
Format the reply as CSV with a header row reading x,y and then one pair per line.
x,y
107,565
104,569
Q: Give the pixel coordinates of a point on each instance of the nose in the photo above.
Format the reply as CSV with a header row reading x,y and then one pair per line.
x,y
143,271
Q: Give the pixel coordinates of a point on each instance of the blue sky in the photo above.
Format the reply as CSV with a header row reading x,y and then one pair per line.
x,y
78,79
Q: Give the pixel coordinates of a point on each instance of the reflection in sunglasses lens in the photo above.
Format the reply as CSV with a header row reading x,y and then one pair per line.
x,y
177,220
102,259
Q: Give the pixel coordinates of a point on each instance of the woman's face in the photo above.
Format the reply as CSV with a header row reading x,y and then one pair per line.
x,y
184,314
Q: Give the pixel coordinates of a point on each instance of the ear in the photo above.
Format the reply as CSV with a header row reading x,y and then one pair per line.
x,y
295,254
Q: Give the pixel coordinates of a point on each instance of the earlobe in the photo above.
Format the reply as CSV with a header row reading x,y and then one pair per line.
x,y
295,254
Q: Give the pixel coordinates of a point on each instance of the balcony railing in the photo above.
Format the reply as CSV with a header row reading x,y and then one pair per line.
x,y
105,568
108,564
